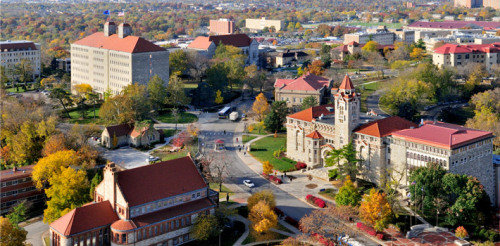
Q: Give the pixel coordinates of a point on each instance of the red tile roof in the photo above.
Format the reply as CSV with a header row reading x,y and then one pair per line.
x,y
314,135
153,182
456,24
119,130
346,83
237,40
470,48
385,127
84,218
129,44
171,212
17,45
123,225
443,135
313,112
20,172
282,82
306,82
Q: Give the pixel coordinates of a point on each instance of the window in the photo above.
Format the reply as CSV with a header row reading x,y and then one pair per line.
x,y
177,224
124,238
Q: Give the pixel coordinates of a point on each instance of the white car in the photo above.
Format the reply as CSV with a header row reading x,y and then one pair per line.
x,y
153,158
248,183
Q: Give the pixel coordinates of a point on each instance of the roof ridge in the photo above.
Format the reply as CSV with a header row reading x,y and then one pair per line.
x,y
70,223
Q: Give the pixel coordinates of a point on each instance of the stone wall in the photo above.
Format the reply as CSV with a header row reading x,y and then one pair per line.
x,y
142,63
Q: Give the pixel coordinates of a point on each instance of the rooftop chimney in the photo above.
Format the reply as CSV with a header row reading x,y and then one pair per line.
x,y
124,30
109,28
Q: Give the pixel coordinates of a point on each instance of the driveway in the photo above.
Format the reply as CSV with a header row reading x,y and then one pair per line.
x,y
35,231
127,157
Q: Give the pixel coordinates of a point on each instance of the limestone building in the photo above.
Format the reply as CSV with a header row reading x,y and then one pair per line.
x,y
149,205
113,59
293,91
13,52
221,26
454,55
207,45
386,144
260,24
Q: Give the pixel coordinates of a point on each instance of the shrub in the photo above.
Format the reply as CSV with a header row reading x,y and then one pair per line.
x,y
317,201
460,232
309,197
333,173
366,228
380,236
300,165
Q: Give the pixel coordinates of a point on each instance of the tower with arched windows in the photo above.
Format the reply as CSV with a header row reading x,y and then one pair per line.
x,y
347,103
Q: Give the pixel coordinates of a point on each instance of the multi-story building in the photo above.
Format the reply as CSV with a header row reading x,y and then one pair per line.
x,y
207,45
402,35
260,24
150,205
429,29
293,91
110,60
17,186
64,64
385,144
13,52
289,58
381,37
462,39
491,3
453,55
221,27
469,3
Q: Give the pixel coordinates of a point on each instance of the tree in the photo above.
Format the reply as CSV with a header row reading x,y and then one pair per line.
x,y
214,166
24,71
370,46
316,67
348,194
267,167
4,79
178,61
326,223
50,166
218,97
417,54
68,190
63,97
375,210
275,119
346,160
175,92
193,129
96,180
260,107
157,92
205,227
426,180
487,113
139,103
80,134
197,64
461,232
264,195
11,234
309,101
262,217
18,212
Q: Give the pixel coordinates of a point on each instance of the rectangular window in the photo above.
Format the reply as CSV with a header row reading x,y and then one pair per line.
x,y
177,224
124,238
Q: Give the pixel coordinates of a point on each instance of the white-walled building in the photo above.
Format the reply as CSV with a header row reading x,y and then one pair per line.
x,y
14,51
113,59
453,55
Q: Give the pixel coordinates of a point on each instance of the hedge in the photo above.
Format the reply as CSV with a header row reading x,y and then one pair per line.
x,y
300,165
366,228
318,201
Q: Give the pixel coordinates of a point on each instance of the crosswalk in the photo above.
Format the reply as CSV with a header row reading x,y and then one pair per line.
x,y
216,133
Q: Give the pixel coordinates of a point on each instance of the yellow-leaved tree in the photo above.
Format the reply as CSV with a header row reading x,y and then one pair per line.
x,y
267,167
263,195
260,107
370,46
68,190
218,97
262,217
417,54
11,234
50,166
193,130
82,89
375,210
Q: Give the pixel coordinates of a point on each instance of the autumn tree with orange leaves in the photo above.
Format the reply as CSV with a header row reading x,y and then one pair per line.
x,y
375,210
316,68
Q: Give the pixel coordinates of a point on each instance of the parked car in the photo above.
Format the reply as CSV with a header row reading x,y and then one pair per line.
x,y
248,183
152,158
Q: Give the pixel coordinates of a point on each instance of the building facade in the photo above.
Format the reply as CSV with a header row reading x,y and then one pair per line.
x,y
113,59
129,135
453,55
221,27
469,3
388,147
13,52
207,45
383,38
491,3
17,186
289,58
260,24
130,209
293,91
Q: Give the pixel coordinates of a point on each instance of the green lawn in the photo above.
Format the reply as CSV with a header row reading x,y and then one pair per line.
x,y
13,90
170,132
225,190
328,193
263,150
248,138
258,129
190,85
165,155
89,116
184,117
369,89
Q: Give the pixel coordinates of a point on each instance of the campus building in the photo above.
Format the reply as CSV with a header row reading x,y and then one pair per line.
x,y
260,24
469,3
385,144
149,205
17,186
221,27
454,55
293,91
113,59
14,51
207,45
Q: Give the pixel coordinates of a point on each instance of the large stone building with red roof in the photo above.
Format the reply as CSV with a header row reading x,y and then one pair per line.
x,y
454,55
386,146
293,91
207,45
150,205
113,59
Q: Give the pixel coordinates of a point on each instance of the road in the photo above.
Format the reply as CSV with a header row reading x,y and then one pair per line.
x,y
35,231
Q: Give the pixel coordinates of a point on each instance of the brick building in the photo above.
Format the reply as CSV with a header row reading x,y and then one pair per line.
x,y
150,205
221,27
385,144
454,55
293,91
207,45
113,59
17,186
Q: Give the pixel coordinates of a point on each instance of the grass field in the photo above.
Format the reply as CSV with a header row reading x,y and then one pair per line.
x,y
258,129
184,117
165,155
89,116
247,138
13,90
222,194
263,150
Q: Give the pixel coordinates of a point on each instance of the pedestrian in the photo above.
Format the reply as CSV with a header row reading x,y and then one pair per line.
x,y
240,149
281,176
285,174
236,139
227,197
224,131
245,153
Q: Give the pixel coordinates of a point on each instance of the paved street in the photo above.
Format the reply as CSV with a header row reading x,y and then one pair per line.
x,y
35,232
